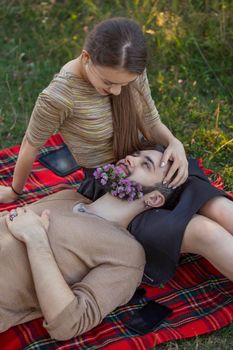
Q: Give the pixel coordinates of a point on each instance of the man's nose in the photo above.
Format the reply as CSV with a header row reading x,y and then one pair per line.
x,y
131,161
115,90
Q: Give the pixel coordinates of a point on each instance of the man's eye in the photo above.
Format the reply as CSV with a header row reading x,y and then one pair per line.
x,y
147,165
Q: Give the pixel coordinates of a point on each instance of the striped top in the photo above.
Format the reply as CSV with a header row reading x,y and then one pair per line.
x,y
73,107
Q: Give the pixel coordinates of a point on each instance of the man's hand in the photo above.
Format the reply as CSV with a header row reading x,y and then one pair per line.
x,y
25,225
53,292
7,195
176,153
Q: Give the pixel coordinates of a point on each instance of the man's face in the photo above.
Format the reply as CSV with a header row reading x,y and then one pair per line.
x,y
144,167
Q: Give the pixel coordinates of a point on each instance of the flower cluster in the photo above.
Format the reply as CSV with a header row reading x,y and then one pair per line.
x,y
114,178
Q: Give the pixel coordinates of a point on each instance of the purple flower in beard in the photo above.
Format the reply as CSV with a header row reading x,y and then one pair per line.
x,y
120,189
103,182
97,173
119,171
107,167
121,195
132,195
114,178
113,193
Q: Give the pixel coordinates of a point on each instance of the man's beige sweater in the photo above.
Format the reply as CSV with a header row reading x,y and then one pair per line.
x,y
101,262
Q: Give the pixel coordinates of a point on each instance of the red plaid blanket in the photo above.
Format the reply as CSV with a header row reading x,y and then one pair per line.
x,y
201,298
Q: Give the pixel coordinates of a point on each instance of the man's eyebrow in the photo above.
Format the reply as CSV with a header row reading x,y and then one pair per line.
x,y
110,82
151,161
138,153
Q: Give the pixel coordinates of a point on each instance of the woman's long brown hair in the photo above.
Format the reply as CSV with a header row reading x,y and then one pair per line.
x,y
128,123
119,43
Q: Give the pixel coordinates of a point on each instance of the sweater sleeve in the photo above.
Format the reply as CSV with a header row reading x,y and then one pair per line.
x,y
52,107
79,316
101,291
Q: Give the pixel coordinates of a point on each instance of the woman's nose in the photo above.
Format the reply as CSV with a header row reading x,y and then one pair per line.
x,y
115,90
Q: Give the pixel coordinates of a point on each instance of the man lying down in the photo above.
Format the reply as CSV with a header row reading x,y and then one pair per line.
x,y
72,261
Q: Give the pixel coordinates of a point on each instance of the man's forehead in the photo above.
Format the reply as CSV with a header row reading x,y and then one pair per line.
x,y
153,154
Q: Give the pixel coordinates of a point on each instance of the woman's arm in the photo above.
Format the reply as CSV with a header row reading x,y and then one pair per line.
x,y
174,151
157,132
27,155
50,111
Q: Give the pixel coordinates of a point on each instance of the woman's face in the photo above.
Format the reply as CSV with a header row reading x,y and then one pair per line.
x,y
107,80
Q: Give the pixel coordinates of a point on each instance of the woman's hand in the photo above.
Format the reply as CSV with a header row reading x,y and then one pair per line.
x,y
25,225
7,195
175,152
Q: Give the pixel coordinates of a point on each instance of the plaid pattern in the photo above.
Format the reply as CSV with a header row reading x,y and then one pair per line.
x,y
41,181
201,298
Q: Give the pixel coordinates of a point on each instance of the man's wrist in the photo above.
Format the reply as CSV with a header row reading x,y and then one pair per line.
x,y
38,239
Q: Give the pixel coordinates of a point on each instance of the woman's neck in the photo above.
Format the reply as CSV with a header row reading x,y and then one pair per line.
x,y
80,68
76,67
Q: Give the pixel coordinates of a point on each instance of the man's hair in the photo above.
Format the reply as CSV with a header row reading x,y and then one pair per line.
x,y
171,195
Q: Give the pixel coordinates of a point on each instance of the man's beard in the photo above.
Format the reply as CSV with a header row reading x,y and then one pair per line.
x,y
114,179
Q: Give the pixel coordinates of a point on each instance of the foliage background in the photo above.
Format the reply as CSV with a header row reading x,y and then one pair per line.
x,y
190,71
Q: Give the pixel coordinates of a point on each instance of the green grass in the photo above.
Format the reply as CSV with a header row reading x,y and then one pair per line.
x,y
190,71
220,340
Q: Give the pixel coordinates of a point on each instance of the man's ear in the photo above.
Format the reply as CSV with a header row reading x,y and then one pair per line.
x,y
85,56
154,199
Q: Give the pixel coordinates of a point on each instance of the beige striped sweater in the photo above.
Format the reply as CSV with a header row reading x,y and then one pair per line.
x,y
83,117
